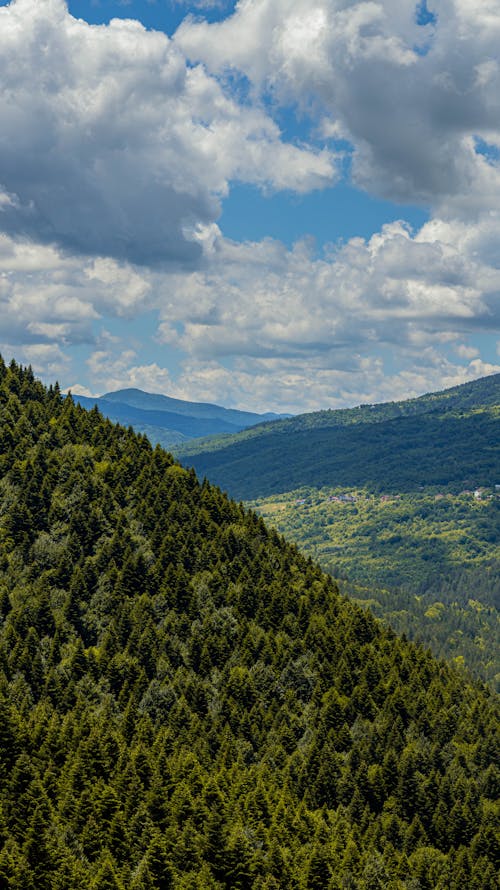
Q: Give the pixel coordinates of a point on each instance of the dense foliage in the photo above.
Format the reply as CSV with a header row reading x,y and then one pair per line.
x,y
431,562
448,440
187,702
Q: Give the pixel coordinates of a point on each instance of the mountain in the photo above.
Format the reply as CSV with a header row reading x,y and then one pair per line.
x,y
187,702
445,439
170,421
204,410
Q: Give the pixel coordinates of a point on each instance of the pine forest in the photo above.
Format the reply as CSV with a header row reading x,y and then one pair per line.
x,y
188,702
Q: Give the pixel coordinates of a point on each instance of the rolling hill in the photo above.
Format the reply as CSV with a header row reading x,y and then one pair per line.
x,y
448,439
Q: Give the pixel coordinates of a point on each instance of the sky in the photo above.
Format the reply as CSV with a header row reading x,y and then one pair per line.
x,y
276,205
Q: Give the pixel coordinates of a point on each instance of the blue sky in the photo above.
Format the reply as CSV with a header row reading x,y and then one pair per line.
x,y
271,204
247,213
161,15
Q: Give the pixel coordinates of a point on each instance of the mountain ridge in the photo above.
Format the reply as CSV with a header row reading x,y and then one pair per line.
x,y
446,438
139,398
452,399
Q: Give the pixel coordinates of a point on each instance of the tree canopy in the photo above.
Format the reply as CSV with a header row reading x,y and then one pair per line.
x,y
187,701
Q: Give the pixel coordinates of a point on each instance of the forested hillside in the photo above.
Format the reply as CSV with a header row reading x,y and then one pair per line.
x,y
448,439
187,702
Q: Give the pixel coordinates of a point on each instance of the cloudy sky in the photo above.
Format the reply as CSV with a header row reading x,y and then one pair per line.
x,y
271,204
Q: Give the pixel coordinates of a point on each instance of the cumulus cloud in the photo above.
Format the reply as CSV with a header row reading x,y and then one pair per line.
x,y
321,328
264,327
113,146
285,385
50,297
47,359
78,390
115,155
114,370
396,290
413,99
468,352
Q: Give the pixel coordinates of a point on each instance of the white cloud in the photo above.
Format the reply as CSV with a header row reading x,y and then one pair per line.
x,y
420,106
468,352
47,296
111,370
281,385
47,359
410,98
115,154
113,146
317,327
264,301
78,390
264,327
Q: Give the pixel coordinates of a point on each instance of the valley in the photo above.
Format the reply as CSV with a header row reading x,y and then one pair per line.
x,y
427,563
400,498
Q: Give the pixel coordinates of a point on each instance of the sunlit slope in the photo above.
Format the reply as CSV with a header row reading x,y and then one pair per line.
x,y
428,563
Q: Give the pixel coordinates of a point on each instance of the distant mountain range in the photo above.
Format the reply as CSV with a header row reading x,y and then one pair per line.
x,y
169,421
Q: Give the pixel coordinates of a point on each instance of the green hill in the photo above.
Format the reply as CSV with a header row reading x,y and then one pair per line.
x,y
187,702
447,439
